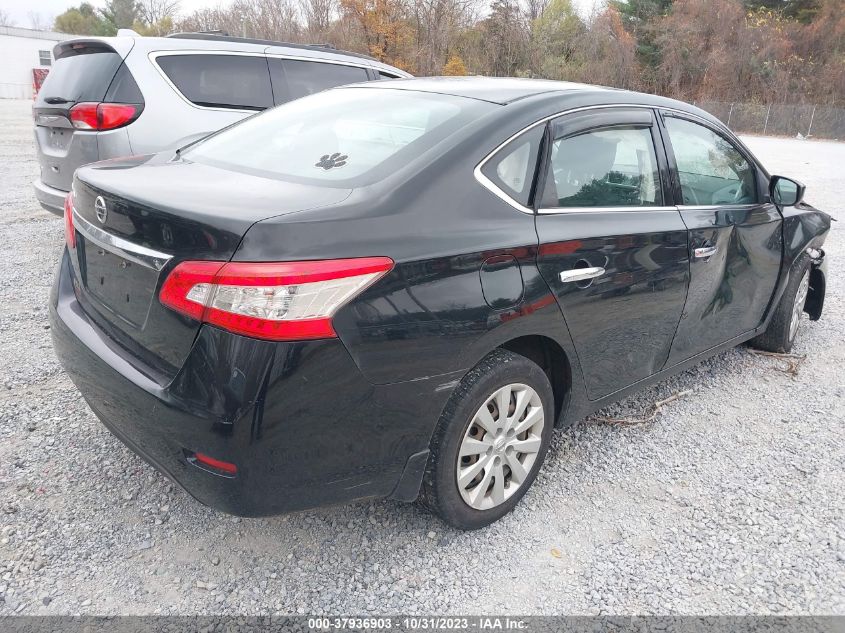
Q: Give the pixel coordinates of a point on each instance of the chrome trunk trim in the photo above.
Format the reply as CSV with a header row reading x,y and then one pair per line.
x,y
122,248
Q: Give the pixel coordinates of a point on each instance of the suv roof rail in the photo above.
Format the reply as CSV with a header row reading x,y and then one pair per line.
x,y
222,36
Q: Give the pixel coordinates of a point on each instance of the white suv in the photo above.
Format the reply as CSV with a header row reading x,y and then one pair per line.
x,y
115,96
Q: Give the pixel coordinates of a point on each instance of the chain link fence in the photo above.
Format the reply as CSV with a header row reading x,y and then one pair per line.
x,y
808,121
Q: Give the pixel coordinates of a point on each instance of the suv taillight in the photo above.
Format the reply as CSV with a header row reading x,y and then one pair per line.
x,y
103,116
70,231
277,301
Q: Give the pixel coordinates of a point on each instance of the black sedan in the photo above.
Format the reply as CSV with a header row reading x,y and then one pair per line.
x,y
400,289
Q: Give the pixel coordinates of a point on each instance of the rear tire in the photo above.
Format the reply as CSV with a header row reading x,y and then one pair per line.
x,y
482,463
785,324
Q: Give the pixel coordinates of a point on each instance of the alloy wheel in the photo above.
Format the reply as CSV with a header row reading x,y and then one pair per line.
x,y
798,306
500,446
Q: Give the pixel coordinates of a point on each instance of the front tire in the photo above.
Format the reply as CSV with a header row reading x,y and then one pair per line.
x,y
783,328
490,441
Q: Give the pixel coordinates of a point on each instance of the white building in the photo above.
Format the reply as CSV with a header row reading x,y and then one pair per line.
x,y
22,51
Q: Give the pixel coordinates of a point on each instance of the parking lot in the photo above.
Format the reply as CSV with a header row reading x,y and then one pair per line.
x,y
731,501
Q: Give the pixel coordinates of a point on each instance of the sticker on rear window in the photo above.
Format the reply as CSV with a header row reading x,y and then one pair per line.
x,y
330,161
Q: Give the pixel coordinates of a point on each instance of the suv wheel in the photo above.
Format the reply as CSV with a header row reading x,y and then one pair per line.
x,y
490,441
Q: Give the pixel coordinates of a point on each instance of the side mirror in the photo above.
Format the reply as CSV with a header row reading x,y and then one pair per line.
x,y
786,192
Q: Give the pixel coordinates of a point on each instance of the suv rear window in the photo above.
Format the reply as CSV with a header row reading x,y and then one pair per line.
x,y
240,82
303,78
347,137
80,74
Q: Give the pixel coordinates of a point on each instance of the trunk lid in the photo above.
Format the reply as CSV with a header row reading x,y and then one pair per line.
x,y
155,212
89,71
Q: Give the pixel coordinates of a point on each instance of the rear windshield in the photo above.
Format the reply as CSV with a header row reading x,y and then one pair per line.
x,y
347,136
83,74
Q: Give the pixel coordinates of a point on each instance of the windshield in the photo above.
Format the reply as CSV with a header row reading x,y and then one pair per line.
x,y
346,137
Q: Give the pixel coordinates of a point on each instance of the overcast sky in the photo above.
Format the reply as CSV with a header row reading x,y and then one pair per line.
x,y
22,12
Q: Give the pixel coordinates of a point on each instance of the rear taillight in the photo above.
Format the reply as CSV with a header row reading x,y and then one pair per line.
x,y
70,231
103,116
284,301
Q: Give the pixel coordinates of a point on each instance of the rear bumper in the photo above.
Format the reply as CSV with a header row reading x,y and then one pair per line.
x,y
300,422
52,199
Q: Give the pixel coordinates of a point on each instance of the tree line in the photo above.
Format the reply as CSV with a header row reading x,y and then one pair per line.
x,y
765,51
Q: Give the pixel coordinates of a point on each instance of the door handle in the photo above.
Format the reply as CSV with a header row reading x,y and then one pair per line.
x,y
705,252
581,274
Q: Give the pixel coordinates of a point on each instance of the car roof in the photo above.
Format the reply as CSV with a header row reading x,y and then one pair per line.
x,y
510,90
127,40
501,90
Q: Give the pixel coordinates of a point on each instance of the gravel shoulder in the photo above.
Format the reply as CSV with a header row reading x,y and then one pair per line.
x,y
730,502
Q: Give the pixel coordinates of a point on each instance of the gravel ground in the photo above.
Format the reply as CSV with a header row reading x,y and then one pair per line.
x,y
730,502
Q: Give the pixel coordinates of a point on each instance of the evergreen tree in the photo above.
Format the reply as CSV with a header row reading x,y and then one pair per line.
x,y
121,14
638,18
83,20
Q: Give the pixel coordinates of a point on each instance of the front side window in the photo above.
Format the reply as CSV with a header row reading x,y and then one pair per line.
x,y
512,168
240,82
348,136
306,78
711,170
610,167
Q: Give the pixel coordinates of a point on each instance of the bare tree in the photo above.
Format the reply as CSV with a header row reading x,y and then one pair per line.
x,y
534,8
437,24
154,11
39,22
318,15
6,19
202,20
690,49
266,19
271,19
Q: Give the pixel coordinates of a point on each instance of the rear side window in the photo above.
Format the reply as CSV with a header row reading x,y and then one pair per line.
x,y
612,167
384,75
239,82
80,74
301,78
512,168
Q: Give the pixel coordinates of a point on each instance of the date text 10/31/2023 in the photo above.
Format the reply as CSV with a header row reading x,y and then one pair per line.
x,y
418,623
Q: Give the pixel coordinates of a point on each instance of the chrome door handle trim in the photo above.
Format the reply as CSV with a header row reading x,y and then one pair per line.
x,y
581,274
705,252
